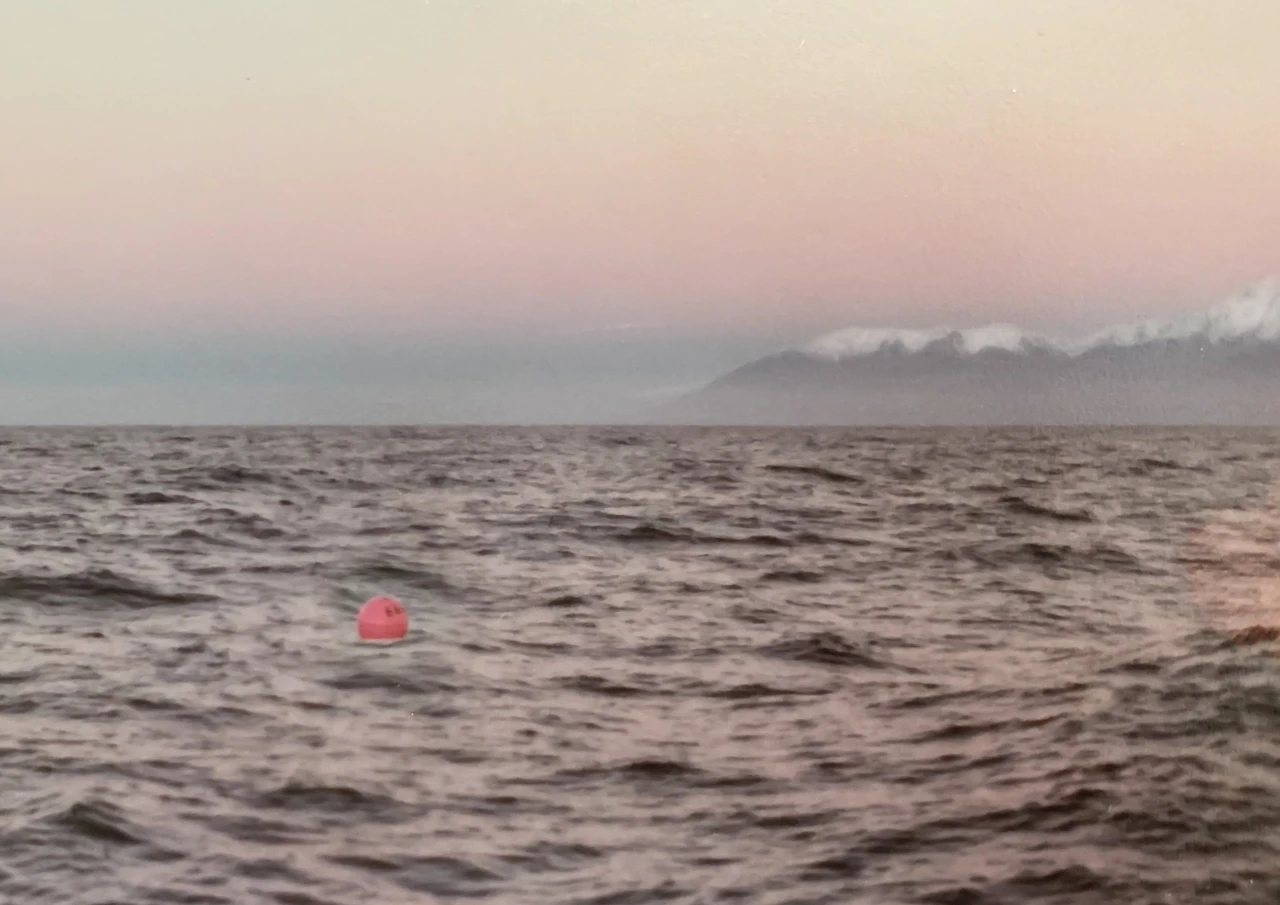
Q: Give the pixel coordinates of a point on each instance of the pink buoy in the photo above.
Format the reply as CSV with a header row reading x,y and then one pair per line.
x,y
382,619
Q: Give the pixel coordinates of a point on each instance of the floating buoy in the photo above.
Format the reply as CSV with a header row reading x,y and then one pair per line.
x,y
382,619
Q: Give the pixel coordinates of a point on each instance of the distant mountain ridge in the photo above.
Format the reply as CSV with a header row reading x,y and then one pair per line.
x,y
1252,315
1221,365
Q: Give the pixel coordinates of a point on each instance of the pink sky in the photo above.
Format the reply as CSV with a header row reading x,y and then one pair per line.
x,y
717,165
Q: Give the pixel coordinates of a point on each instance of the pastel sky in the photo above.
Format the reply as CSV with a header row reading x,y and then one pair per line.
x,y
541,209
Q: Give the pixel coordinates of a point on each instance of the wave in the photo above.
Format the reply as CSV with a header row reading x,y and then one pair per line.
x,y
648,533
1093,559
1023,506
816,471
157,498
296,796
825,648
94,589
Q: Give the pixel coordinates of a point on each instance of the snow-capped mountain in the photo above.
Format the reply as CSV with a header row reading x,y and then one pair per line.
x,y
1221,365
1252,315
863,341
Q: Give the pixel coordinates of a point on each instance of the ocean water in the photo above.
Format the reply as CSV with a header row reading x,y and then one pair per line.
x,y
702,666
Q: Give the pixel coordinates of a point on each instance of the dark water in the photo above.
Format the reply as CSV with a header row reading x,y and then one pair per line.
x,y
687,666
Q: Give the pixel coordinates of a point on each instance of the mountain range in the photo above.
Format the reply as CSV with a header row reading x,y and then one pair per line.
x,y
1220,366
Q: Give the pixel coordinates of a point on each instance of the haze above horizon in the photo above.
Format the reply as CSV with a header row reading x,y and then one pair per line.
x,y
531,211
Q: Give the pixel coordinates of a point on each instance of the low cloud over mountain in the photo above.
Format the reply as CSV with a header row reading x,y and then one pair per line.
x,y
1221,366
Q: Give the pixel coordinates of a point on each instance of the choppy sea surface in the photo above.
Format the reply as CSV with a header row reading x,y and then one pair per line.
x,y
684,666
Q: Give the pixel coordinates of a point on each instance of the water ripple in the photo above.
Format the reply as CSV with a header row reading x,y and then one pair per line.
x,y
764,666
